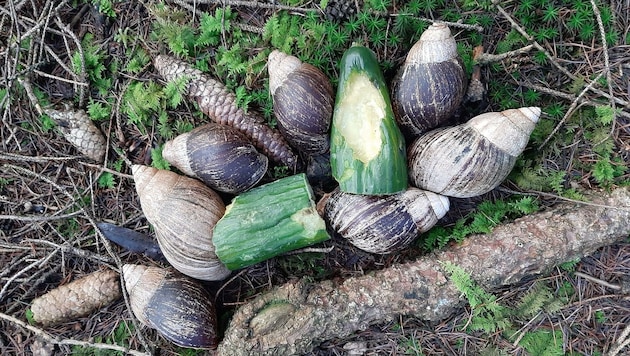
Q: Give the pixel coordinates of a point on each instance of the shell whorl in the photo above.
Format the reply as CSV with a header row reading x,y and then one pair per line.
x,y
141,282
436,45
280,66
509,130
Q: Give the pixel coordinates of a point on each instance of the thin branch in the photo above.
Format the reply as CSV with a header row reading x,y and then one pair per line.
x,y
598,281
570,110
486,58
252,4
51,339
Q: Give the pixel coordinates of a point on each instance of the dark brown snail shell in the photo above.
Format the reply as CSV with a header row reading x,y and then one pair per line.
x,y
218,155
431,84
303,100
384,224
175,305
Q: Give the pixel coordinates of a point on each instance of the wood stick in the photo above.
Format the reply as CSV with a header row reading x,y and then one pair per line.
x,y
297,316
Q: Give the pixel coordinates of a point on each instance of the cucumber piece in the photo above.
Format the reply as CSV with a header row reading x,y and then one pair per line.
x,y
367,149
267,221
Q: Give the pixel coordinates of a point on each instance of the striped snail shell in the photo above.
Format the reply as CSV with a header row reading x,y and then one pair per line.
x,y
218,155
431,84
384,224
303,100
178,307
183,212
472,158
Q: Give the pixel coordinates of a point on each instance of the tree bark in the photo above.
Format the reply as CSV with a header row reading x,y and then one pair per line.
x,y
297,316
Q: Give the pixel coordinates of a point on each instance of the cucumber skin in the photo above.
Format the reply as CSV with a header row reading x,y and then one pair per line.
x,y
387,173
258,226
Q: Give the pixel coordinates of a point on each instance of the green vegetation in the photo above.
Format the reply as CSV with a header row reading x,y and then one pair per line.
x,y
487,215
120,336
490,316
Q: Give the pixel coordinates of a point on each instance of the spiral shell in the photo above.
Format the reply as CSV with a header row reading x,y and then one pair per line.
x,y
183,212
218,155
384,224
431,84
78,129
303,100
77,298
175,305
473,158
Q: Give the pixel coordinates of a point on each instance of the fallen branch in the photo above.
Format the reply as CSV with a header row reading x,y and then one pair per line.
x,y
297,316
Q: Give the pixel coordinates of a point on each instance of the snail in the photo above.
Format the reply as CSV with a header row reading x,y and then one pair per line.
x,y
77,298
303,100
384,224
183,212
218,155
431,83
472,158
78,129
175,305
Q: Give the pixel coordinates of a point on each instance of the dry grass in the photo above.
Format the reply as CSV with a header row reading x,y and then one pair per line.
x,y
50,201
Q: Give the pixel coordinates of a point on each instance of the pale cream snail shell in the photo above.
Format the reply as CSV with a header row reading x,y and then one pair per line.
x,y
472,158
183,212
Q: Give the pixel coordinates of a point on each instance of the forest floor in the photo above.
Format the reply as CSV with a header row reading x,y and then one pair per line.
x,y
96,55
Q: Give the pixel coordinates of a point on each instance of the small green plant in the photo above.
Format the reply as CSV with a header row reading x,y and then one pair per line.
x,y
490,316
120,336
106,180
487,215
105,7
92,63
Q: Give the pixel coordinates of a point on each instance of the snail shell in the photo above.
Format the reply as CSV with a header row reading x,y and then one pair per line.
x,y
473,158
175,305
220,156
384,224
77,298
303,100
183,212
431,84
79,130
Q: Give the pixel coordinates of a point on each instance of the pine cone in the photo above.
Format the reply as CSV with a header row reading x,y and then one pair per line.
x,y
79,130
340,10
77,298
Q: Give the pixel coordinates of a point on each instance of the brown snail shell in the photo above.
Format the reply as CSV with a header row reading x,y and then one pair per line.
x,y
218,155
78,129
472,158
384,224
431,84
175,305
77,298
303,100
183,212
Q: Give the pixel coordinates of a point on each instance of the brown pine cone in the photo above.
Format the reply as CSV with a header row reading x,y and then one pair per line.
x,y
79,130
77,298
